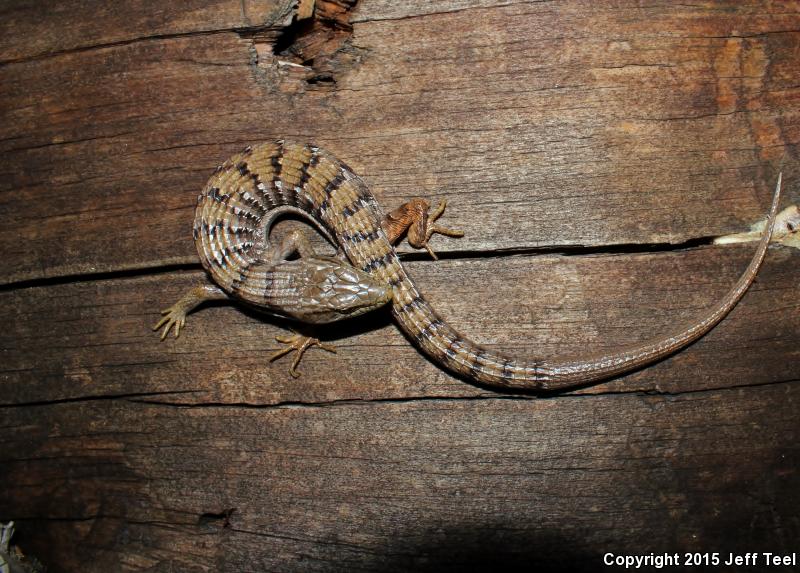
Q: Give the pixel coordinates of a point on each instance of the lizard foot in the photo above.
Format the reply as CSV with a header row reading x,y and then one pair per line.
x,y
457,233
176,314
173,316
299,343
414,219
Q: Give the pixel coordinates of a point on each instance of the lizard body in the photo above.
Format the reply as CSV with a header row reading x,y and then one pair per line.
x,y
231,230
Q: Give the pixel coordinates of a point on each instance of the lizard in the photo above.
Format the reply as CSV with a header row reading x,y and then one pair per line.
x,y
246,194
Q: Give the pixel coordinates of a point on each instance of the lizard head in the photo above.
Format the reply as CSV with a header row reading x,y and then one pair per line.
x,y
328,289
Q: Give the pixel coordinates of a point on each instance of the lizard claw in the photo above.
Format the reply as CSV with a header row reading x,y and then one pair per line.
x,y
438,229
299,343
441,230
173,316
413,218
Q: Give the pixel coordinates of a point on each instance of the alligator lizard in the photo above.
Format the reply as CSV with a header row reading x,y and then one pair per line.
x,y
246,194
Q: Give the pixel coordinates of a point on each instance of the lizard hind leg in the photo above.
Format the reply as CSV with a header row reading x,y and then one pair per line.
x,y
295,242
299,343
413,219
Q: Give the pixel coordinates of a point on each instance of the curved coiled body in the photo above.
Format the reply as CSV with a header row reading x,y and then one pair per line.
x,y
232,222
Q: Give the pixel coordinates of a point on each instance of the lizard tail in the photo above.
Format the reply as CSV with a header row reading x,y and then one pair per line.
x,y
227,232
439,341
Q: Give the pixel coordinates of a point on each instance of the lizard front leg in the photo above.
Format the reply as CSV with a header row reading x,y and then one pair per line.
x,y
300,343
176,314
413,219
330,284
296,242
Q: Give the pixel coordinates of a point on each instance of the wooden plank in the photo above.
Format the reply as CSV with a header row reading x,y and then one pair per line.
x,y
121,485
542,124
93,339
737,18
30,29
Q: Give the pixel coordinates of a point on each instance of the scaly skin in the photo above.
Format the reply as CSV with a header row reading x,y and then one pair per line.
x,y
238,204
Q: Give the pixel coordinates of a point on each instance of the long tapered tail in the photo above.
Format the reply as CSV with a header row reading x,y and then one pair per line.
x,y
419,321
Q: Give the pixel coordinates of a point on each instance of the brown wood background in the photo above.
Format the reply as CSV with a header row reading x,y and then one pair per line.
x,y
589,150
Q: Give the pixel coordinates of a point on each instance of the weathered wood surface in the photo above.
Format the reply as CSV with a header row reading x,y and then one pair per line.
x,y
121,485
30,29
124,453
93,339
545,125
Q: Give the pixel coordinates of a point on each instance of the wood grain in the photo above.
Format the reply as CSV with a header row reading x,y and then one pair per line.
x,y
433,485
36,30
544,125
619,134
93,339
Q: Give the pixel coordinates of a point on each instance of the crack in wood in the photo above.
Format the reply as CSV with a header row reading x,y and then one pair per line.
x,y
222,518
127,42
100,276
563,250
477,398
126,396
315,48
